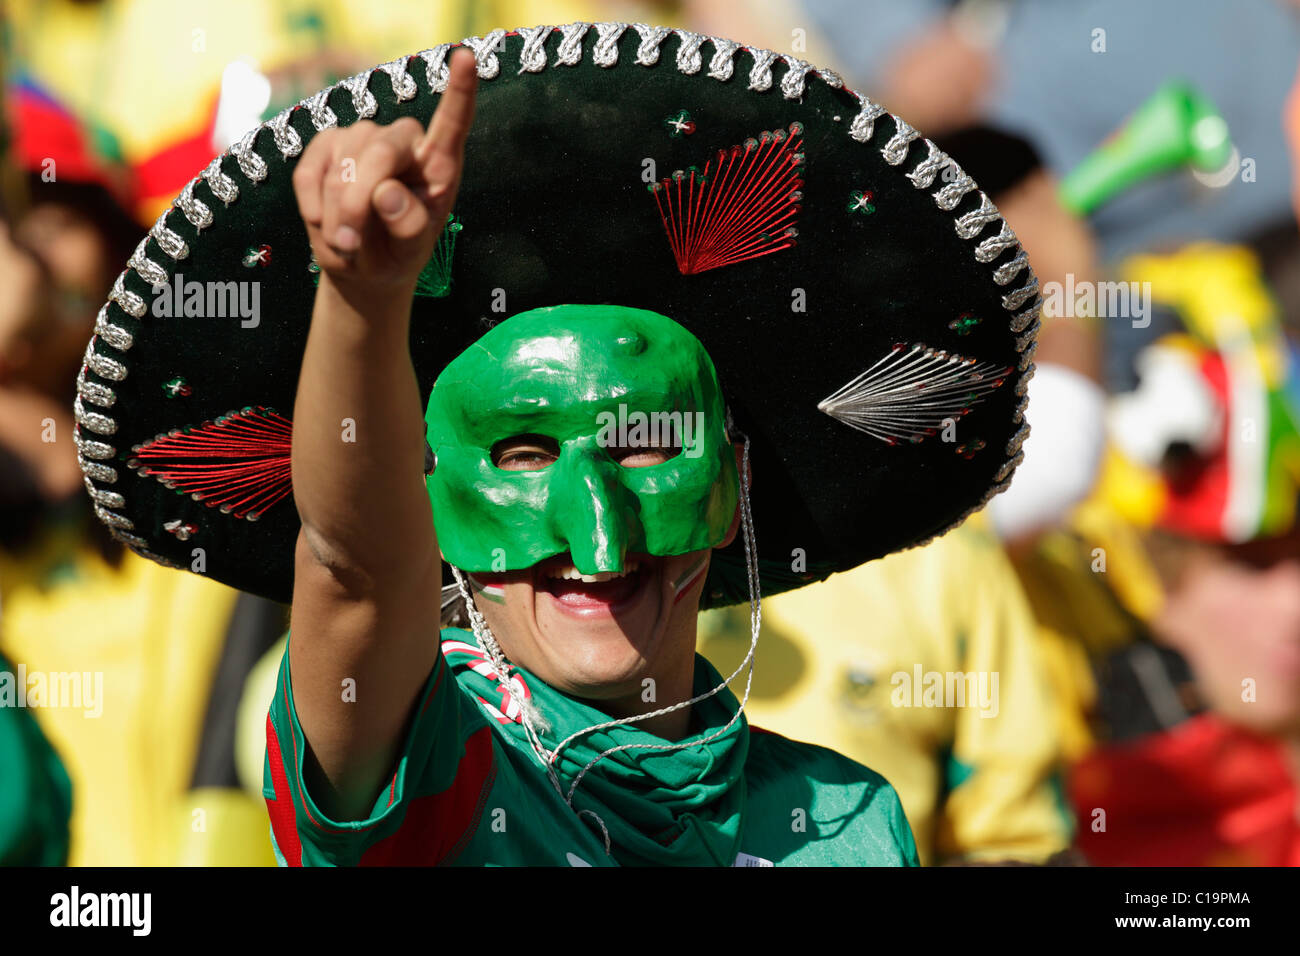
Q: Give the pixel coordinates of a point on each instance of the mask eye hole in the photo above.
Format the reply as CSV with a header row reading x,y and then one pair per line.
x,y
657,447
525,453
643,457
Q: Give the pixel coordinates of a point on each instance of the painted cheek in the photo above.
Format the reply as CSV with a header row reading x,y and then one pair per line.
x,y
689,577
487,590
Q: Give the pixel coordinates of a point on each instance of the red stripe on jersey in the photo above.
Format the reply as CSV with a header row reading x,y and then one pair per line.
x,y
441,664
438,825
283,823
302,788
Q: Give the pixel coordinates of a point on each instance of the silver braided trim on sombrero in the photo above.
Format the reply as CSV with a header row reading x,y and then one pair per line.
x,y
933,169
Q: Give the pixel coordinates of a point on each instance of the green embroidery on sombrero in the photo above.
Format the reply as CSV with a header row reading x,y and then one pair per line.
x,y
963,324
434,281
861,200
679,124
435,277
257,256
176,387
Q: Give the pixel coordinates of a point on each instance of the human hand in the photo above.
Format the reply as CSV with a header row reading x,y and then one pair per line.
x,y
375,198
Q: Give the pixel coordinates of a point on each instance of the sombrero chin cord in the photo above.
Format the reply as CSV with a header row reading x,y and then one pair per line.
x,y
531,718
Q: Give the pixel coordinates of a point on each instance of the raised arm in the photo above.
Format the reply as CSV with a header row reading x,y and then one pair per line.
x,y
367,574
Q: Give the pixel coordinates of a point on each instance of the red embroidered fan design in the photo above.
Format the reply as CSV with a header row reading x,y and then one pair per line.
x,y
744,204
239,462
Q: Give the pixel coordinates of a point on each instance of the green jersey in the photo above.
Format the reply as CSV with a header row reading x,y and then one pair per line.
x,y
468,789
35,793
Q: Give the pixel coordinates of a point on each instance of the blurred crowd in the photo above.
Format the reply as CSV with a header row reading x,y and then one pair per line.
x,y
1129,609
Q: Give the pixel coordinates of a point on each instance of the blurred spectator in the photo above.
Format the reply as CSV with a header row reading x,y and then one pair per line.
x,y
1065,74
158,88
151,644
59,259
1171,605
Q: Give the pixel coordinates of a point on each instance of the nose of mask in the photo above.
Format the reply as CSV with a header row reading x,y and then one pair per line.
x,y
595,513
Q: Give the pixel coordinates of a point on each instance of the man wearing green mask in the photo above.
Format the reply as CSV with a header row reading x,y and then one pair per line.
x,y
584,462
585,550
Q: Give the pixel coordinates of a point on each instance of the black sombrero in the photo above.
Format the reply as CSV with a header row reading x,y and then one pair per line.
x,y
870,315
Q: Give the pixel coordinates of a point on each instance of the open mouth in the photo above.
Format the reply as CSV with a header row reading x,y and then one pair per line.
x,y
607,591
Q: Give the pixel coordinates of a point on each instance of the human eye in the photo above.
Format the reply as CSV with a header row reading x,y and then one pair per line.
x,y
643,457
525,453
658,447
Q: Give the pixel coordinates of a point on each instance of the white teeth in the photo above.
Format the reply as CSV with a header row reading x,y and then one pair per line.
x,y
569,573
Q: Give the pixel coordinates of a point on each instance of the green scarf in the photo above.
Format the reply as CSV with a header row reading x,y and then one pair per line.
x,y
662,808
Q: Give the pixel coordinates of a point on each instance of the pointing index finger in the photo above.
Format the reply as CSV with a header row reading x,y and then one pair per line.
x,y
451,120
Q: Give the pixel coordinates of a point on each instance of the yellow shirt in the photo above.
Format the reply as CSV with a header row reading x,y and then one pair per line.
x,y
867,662
149,639
1092,589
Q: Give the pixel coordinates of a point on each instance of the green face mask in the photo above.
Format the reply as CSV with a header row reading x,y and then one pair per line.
x,y
591,378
